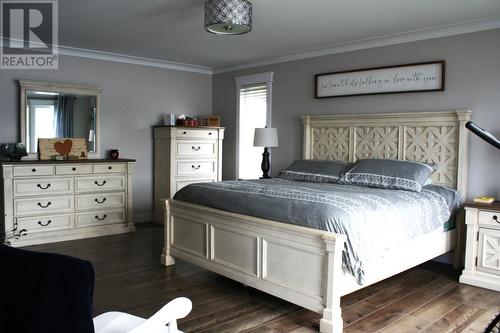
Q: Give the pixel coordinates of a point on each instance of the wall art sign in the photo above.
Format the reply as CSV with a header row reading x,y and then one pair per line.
x,y
62,149
419,77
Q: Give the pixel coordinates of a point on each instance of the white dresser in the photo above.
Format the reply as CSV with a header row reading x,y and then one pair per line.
x,y
49,201
183,156
482,252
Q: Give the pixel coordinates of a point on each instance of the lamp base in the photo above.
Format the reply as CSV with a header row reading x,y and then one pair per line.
x,y
265,165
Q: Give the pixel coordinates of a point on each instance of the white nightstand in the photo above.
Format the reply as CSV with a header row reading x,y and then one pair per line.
x,y
482,252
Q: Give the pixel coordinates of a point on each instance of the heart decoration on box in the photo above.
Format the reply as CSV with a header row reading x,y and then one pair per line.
x,y
63,148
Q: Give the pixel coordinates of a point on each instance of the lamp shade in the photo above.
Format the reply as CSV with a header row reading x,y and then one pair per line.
x,y
265,137
228,17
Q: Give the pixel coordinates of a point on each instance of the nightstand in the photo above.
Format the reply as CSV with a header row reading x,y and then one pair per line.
x,y
482,252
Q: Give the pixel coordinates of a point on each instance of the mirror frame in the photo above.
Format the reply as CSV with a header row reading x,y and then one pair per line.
x,y
58,87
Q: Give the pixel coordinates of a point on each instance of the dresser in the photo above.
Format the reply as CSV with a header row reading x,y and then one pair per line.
x,y
183,156
482,252
50,201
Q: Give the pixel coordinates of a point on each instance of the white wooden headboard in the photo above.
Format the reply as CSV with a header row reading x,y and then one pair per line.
x,y
432,137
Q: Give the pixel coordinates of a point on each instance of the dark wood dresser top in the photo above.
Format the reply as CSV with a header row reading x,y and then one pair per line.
x,y
494,206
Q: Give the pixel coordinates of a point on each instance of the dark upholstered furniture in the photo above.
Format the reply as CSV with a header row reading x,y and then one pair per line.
x,y
44,293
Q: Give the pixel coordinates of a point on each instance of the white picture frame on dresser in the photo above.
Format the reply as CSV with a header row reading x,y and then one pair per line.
x,y
183,156
51,201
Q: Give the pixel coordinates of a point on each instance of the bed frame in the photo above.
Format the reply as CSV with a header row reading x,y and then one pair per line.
x,y
303,265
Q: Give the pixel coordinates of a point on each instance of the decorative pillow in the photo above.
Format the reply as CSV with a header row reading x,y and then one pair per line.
x,y
316,171
390,174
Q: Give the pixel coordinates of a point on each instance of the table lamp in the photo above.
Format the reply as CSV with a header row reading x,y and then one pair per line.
x,y
265,137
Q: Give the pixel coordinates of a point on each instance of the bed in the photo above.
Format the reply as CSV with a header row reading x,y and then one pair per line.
x,y
305,265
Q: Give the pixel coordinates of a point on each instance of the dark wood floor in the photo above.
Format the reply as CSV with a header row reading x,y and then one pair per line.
x,y
129,278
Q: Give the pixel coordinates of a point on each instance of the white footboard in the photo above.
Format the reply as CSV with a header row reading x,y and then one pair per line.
x,y
298,264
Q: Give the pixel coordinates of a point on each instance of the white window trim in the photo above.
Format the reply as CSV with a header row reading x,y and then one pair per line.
x,y
266,78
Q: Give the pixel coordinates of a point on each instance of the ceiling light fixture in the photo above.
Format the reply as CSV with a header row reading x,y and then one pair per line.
x,y
228,17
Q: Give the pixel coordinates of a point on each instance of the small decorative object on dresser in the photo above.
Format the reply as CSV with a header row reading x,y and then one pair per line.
x,y
13,151
267,138
114,154
182,156
49,201
482,253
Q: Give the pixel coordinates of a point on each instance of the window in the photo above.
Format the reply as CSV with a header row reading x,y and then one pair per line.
x,y
253,111
41,114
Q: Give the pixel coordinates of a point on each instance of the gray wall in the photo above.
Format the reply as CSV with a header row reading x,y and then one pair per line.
x,y
472,82
133,99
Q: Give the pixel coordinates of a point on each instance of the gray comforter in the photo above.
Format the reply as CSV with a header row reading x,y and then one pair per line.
x,y
373,219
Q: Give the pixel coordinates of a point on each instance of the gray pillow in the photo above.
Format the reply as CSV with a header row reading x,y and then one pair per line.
x,y
390,174
316,171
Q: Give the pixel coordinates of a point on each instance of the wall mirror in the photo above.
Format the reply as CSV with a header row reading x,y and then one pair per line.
x,y
59,110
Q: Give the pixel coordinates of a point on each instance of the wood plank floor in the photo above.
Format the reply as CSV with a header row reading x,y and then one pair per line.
x,y
129,278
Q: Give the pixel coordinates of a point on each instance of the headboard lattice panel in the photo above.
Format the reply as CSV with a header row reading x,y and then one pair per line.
x,y
438,138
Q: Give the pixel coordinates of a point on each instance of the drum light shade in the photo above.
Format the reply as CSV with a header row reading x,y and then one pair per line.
x,y
265,137
228,17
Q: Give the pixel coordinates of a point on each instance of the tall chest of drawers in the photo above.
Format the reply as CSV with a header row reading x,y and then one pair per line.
x,y
49,201
183,156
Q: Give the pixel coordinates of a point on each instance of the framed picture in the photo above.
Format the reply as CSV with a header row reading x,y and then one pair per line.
x,y
419,77
62,149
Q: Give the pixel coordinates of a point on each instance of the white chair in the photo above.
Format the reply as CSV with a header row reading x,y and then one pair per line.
x,y
163,321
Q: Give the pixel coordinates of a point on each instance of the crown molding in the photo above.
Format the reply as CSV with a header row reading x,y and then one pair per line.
x,y
128,59
385,40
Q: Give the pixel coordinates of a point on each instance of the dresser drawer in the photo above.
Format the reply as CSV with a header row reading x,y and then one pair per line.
x,y
33,170
100,201
195,168
100,218
489,218
196,134
181,183
73,169
24,187
43,205
110,168
193,148
99,183
45,223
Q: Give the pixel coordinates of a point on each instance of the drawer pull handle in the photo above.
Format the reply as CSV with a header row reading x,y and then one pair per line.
x,y
47,205
100,218
495,218
195,148
44,224
74,169
101,201
195,167
42,187
97,183
184,133
110,167
209,133
33,170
